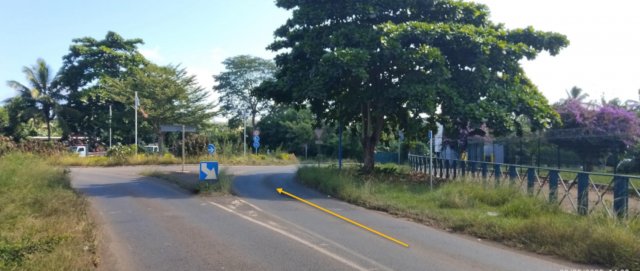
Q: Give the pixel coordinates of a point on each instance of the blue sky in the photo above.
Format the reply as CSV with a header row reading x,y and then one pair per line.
x,y
197,34
602,57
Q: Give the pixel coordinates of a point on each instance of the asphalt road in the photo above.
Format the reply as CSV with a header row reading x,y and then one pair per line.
x,y
147,224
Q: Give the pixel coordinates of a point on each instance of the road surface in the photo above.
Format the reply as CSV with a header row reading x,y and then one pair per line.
x,y
147,224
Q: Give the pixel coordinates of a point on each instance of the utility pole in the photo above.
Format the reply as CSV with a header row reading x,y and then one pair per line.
x,y
136,104
340,146
110,120
183,148
244,139
431,160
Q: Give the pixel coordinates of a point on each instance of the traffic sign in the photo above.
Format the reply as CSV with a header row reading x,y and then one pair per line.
x,y
256,139
401,135
256,132
256,144
211,149
318,132
208,171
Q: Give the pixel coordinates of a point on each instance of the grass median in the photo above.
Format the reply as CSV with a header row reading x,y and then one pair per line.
x,y
503,214
189,181
44,224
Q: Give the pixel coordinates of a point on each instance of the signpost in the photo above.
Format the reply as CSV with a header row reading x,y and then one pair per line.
x,y
211,149
179,128
256,140
400,139
318,132
208,170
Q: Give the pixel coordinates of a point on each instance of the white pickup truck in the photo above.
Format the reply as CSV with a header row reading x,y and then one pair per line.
x,y
81,151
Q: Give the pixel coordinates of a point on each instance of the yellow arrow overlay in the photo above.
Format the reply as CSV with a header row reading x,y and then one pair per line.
x,y
281,191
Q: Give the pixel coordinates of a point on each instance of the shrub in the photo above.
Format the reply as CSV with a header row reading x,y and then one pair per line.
x,y
121,152
7,145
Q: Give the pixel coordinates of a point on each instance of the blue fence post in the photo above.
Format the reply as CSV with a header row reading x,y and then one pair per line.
x,y
485,170
620,196
513,173
447,167
463,167
474,168
554,176
441,162
455,168
531,179
497,173
583,193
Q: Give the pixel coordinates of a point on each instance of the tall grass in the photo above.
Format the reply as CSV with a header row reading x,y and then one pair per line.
x,y
44,224
501,213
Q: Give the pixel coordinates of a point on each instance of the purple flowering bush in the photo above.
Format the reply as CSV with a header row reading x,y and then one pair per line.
x,y
593,132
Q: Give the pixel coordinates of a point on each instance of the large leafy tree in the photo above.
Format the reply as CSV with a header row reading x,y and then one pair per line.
x,y
394,62
168,95
41,91
89,60
242,75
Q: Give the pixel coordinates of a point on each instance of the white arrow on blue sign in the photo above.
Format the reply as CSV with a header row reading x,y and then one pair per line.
x,y
256,144
256,139
208,171
211,148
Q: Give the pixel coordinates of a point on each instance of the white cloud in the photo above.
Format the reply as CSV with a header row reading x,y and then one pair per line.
x,y
602,57
152,54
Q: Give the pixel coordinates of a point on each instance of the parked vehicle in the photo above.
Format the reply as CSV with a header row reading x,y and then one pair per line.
x,y
83,151
152,149
80,150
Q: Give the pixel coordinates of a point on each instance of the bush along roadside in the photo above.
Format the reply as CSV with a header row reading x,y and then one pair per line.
x,y
125,158
44,224
502,214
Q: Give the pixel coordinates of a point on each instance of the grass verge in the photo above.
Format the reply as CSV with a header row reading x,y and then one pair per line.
x,y
44,224
502,214
190,182
141,159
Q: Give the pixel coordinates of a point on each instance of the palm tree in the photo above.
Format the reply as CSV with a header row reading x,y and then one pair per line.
x,y
42,92
576,93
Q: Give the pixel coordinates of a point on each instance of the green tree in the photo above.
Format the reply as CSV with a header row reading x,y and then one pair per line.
x,y
287,128
390,63
4,119
41,91
87,108
22,118
243,74
168,95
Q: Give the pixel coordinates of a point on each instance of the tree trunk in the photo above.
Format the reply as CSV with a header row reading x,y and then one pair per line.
x,y
160,141
47,119
253,120
49,129
372,129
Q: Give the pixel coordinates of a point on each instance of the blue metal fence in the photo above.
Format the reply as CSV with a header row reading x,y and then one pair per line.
x,y
609,192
